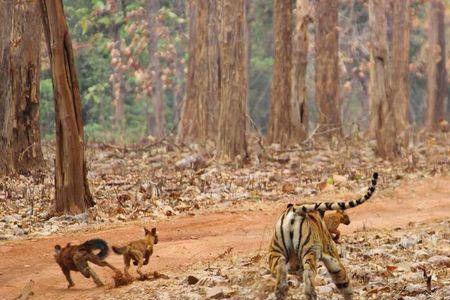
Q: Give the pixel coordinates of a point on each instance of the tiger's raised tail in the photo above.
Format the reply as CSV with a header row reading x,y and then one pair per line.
x,y
324,206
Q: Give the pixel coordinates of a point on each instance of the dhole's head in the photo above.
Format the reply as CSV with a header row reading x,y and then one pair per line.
x,y
152,234
345,219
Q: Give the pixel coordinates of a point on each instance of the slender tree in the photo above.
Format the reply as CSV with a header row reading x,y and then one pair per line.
x,y
117,78
155,70
233,86
327,70
299,114
199,116
400,66
381,101
72,193
20,142
436,72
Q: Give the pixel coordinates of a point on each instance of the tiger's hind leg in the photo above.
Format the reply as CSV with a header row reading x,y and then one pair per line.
x,y
309,274
338,274
278,268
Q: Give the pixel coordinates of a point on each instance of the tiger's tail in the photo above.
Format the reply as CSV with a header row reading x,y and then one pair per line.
x,y
324,206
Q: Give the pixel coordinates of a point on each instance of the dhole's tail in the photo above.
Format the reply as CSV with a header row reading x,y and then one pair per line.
x,y
97,244
119,250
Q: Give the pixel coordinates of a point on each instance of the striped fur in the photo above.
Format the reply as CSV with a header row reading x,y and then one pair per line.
x,y
301,239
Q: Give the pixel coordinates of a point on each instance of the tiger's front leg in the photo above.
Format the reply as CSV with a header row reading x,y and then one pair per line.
x,y
277,264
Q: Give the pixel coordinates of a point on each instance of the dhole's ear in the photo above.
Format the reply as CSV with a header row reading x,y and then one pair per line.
x,y
153,230
146,231
57,249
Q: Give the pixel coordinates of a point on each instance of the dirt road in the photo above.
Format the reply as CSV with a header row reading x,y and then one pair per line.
x,y
186,240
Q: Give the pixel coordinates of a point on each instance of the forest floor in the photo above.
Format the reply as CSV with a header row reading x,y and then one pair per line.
x,y
393,239
215,220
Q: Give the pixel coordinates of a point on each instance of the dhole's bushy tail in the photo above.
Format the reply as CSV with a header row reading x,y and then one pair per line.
x,y
97,244
119,250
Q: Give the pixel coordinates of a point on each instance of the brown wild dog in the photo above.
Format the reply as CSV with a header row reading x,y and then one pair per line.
x,y
333,220
301,239
76,258
139,251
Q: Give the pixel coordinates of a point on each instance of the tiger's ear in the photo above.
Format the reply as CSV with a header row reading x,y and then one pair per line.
x,y
57,249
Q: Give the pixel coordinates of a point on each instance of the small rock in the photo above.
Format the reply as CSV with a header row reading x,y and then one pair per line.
x,y
214,293
440,260
192,280
408,242
415,288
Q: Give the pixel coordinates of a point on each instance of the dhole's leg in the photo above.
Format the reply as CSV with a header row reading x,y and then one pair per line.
x,y
138,257
102,263
80,260
147,257
68,278
126,261
337,234
277,264
338,274
309,274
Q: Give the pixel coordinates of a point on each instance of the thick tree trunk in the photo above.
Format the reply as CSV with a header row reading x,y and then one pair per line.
x,y
117,75
155,70
20,142
233,86
72,193
299,115
327,69
199,118
437,86
400,67
381,101
281,129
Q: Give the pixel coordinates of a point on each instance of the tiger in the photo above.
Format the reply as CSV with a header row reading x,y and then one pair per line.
x,y
332,222
300,239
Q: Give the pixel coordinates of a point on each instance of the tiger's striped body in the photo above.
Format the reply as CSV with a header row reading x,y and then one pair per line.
x,y
301,239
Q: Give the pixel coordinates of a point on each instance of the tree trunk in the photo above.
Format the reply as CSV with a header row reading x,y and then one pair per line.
x,y
400,67
117,74
299,116
179,89
327,69
20,141
199,117
155,70
381,101
281,128
436,72
233,86
72,193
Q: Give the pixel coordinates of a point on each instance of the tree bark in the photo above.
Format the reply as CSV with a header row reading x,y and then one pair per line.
x,y
436,71
281,129
381,101
233,86
400,67
72,193
300,44
327,69
20,141
155,70
199,117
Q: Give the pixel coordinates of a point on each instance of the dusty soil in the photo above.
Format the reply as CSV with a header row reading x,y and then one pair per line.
x,y
185,241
